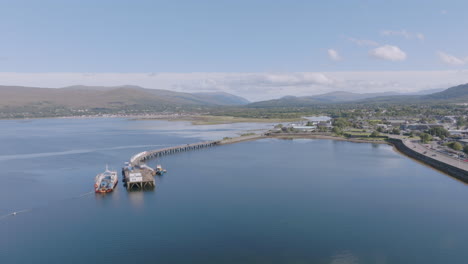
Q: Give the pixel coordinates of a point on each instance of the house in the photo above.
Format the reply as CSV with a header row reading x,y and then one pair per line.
x,y
449,119
304,128
419,127
383,126
396,122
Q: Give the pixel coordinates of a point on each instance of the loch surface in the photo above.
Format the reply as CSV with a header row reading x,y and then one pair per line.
x,y
265,201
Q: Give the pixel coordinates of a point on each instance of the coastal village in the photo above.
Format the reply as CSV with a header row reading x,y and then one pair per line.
x,y
441,139
447,134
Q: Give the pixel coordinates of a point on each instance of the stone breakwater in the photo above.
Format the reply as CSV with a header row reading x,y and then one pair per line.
x,y
452,170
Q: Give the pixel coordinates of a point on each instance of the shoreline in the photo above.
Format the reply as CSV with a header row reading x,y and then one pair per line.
x,y
215,120
400,147
397,144
395,148
194,119
447,167
330,137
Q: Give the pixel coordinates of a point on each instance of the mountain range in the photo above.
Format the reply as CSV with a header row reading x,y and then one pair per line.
x,y
80,96
450,95
19,101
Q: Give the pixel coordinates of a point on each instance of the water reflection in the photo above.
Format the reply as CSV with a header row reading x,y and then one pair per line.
x,y
136,198
106,199
344,257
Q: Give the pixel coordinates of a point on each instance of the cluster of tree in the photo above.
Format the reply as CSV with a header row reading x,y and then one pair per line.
x,y
337,130
396,131
288,129
455,146
427,120
322,129
425,137
438,132
341,123
462,122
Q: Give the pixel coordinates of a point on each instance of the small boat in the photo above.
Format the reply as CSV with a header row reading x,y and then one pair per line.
x,y
105,182
160,170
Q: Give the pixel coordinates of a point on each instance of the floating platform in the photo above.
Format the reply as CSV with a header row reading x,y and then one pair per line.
x,y
138,177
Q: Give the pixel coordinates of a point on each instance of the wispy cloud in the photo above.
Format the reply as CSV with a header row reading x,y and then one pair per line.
x,y
420,36
403,33
452,60
388,52
281,79
363,42
334,55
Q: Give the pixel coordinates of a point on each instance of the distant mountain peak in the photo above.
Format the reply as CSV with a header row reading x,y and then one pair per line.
x,y
459,92
110,97
226,98
451,95
101,88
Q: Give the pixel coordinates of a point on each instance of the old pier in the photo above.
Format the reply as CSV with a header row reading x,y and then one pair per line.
x,y
137,175
147,155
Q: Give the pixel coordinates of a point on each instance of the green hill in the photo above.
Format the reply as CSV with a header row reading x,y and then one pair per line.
x,y
457,93
18,101
451,95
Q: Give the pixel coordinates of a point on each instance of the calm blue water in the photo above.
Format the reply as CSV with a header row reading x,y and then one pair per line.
x,y
268,201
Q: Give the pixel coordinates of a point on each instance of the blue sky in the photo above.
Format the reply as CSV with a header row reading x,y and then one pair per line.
x,y
232,36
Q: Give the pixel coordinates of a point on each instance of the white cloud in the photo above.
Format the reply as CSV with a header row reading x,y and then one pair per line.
x,y
363,42
334,55
452,60
420,36
253,86
388,52
402,33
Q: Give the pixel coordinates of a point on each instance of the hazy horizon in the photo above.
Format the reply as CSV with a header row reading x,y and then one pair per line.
x,y
253,86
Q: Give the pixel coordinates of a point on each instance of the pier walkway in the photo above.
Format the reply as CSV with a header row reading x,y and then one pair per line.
x,y
138,175
147,155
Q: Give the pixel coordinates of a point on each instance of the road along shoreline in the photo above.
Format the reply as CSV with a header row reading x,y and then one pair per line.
x,y
455,171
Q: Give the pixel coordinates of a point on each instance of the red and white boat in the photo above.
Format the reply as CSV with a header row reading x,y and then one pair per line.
x,y
105,182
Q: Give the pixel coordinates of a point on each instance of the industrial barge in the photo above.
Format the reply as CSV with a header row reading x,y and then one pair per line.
x,y
105,182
